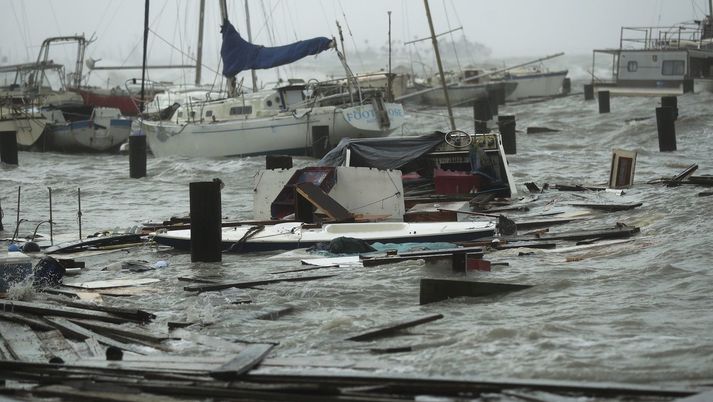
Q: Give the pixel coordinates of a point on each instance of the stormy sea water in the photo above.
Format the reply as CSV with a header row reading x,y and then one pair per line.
x,y
638,311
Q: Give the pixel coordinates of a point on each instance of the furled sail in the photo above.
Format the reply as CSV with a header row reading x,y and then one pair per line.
x,y
239,54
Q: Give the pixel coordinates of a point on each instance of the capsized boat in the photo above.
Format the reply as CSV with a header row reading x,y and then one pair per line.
x,y
292,235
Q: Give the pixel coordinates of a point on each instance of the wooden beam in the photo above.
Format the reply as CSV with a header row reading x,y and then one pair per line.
x,y
49,310
71,329
433,290
391,328
318,198
248,358
207,287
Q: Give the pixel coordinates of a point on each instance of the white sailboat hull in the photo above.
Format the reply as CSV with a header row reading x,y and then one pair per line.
x,y
291,235
28,126
85,137
537,85
285,133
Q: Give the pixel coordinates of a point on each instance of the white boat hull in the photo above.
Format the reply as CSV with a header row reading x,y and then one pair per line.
x,y
291,235
285,133
28,126
86,136
537,85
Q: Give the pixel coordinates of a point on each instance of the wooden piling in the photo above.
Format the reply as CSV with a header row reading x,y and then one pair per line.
x,y
666,125
672,102
481,115
506,124
588,92
320,141
137,156
603,97
493,101
205,221
566,86
8,147
688,86
278,162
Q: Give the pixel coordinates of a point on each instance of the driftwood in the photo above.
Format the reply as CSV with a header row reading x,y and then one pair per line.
x,y
248,284
391,328
61,311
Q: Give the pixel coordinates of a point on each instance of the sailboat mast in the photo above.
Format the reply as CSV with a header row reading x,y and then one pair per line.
x,y
440,66
232,84
250,39
199,48
143,69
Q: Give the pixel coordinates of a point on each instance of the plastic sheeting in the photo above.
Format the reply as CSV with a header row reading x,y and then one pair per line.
x,y
381,153
239,55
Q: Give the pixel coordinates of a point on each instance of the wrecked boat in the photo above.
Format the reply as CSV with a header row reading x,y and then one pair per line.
x,y
358,191
292,235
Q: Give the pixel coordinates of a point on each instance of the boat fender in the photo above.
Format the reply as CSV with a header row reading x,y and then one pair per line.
x,y
13,247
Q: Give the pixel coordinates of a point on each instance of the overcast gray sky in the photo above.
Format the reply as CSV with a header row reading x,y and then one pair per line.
x,y
508,27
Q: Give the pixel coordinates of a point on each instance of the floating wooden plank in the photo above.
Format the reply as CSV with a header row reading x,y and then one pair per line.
x,y
608,233
274,314
125,312
61,311
677,179
95,242
433,290
56,345
95,348
107,394
92,297
391,328
73,330
608,207
32,321
22,343
350,260
112,283
538,130
131,333
248,284
705,396
321,200
248,358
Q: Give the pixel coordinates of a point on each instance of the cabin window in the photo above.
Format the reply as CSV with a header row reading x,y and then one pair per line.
x,y
241,110
632,66
673,67
269,103
209,113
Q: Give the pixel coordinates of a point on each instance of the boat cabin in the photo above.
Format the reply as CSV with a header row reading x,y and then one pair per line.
x,y
657,61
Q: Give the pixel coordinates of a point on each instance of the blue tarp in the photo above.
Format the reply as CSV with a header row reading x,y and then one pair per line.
x,y
239,55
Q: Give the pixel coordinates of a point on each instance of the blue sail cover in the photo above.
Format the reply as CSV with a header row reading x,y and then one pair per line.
x,y
239,54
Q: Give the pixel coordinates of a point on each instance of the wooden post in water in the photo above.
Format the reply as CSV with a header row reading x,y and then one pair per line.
x,y
137,155
493,101
603,101
672,102
205,213
588,92
506,124
666,125
1,215
8,147
481,115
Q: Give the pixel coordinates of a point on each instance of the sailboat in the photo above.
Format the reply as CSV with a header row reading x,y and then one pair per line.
x,y
277,120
